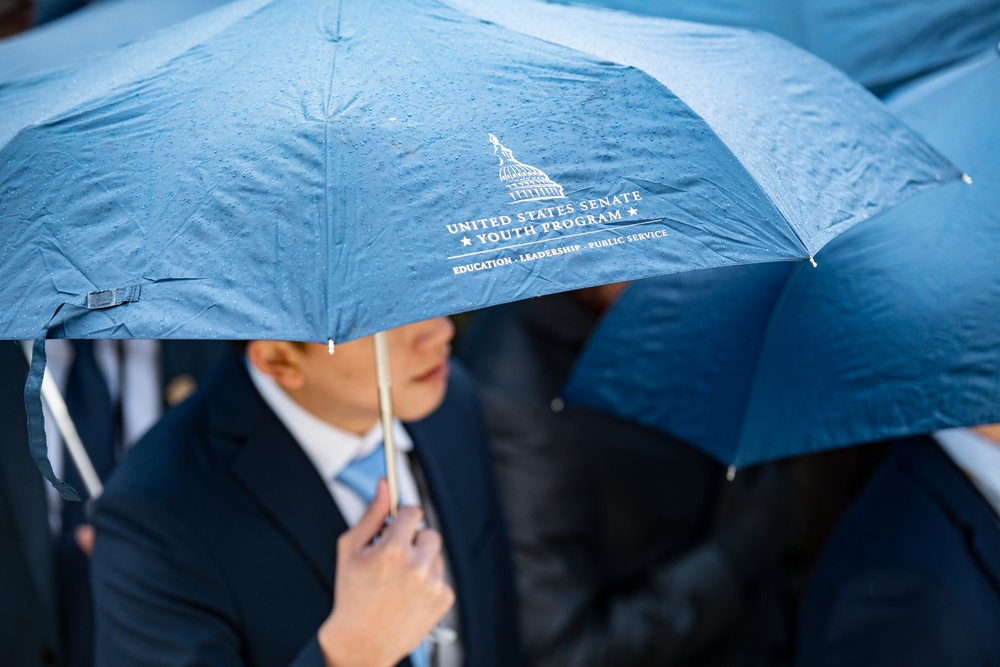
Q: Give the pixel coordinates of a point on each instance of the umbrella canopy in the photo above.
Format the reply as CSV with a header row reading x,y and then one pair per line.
x,y
93,28
897,332
881,43
286,162
310,170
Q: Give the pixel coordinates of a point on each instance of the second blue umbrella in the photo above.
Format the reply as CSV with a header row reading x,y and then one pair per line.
x,y
896,332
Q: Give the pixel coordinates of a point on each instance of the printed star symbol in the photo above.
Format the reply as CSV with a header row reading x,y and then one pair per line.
x,y
632,211
466,240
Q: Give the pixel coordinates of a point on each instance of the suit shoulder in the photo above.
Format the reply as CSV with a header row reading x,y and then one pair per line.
x,y
164,457
892,616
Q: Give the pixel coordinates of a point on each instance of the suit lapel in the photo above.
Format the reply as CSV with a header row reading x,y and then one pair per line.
x,y
276,474
986,544
451,468
449,447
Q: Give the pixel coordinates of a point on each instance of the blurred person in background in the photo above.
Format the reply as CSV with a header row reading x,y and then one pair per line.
x,y
911,575
115,391
631,548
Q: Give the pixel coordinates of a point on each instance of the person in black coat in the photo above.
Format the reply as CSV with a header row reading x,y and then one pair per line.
x,y
229,537
912,574
631,548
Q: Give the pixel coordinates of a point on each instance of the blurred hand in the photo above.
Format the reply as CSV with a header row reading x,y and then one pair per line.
x,y
84,535
388,595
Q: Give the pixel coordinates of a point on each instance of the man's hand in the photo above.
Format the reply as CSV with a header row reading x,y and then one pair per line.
x,y
388,595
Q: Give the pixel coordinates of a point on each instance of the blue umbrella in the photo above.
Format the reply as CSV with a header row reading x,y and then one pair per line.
x,y
881,44
306,170
96,27
897,332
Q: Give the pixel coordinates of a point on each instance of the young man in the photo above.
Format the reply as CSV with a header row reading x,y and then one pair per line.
x,y
234,534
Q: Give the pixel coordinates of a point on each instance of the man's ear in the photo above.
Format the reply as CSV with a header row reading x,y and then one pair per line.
x,y
279,359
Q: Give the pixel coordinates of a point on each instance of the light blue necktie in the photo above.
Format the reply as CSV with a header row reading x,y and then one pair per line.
x,y
361,476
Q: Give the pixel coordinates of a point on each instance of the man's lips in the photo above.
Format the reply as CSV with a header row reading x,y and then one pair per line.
x,y
437,373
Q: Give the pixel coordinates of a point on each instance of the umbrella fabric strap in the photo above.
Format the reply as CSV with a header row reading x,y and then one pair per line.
x,y
97,300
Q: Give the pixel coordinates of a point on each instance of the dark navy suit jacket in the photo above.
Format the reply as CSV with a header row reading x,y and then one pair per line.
x,y
912,575
30,635
216,539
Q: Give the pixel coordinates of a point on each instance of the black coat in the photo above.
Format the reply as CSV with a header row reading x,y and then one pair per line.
x,y
217,538
630,547
912,574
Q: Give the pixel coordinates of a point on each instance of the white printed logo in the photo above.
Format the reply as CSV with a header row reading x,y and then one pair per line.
x,y
524,182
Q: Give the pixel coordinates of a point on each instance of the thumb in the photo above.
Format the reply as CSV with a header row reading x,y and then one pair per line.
x,y
373,521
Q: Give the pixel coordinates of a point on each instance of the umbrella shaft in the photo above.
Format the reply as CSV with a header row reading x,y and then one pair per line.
x,y
384,382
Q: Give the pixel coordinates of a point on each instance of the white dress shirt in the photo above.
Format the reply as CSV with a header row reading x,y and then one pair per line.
x,y
978,457
330,450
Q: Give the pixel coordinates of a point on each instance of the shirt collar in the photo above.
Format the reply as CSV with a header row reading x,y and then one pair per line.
x,y
329,448
977,456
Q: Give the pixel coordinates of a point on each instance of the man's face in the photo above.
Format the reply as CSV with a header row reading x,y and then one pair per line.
x,y
341,389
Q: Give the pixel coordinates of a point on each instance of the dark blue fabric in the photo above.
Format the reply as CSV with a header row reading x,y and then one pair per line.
x,y
217,537
912,574
94,414
894,333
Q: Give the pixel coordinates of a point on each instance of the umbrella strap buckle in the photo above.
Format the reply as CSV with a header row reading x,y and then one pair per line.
x,y
96,300
109,298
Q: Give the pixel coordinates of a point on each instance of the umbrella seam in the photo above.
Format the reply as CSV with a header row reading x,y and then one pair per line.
x,y
327,201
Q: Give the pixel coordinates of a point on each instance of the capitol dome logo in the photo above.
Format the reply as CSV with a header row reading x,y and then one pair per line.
x,y
524,182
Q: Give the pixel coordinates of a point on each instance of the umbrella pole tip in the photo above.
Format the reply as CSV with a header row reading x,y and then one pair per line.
x,y
731,473
812,261
967,179
330,346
